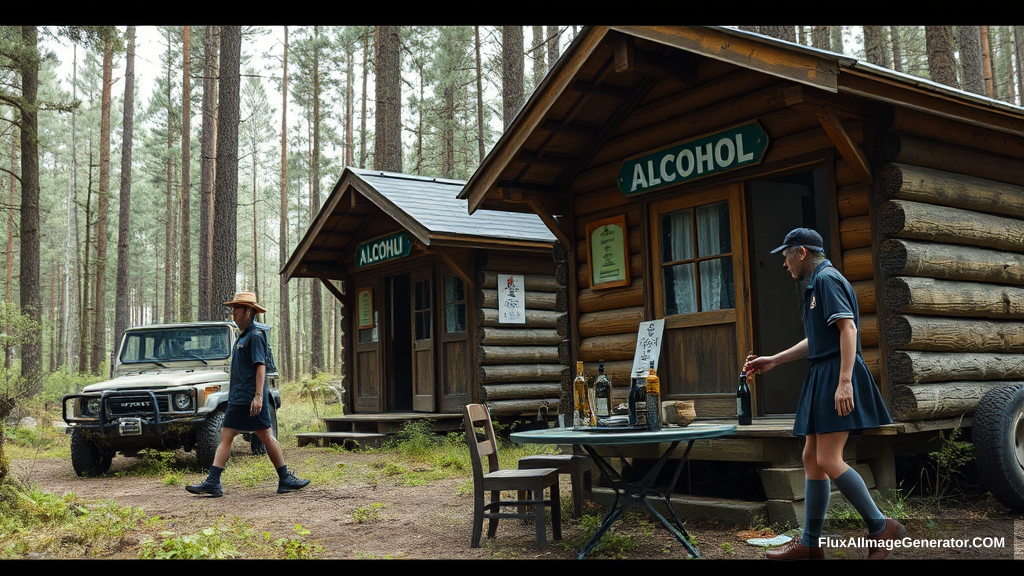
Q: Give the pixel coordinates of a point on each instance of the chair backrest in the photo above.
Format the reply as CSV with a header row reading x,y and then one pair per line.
x,y
475,415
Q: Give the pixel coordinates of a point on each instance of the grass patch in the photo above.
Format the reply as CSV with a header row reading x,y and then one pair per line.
x,y
228,538
365,514
611,545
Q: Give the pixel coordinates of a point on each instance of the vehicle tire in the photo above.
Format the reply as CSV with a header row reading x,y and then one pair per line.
x,y
208,438
254,441
999,444
86,457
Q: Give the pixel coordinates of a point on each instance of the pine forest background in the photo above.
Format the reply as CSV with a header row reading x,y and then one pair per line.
x,y
110,177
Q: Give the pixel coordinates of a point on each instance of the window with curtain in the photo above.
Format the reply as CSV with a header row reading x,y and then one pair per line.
x,y
454,304
696,259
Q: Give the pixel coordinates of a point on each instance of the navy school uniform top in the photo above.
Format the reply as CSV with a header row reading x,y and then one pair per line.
x,y
829,297
250,350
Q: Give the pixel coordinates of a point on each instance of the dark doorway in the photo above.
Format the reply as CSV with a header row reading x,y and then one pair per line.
x,y
777,205
400,336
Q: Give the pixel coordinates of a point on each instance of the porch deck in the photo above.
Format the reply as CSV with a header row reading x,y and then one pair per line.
x,y
373,430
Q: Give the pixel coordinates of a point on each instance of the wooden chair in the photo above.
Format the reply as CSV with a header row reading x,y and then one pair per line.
x,y
577,466
531,482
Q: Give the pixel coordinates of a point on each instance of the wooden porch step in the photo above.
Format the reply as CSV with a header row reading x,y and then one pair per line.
x,y
390,422
346,439
691,507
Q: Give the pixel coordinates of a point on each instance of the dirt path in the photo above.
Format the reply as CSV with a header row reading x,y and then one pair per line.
x,y
428,521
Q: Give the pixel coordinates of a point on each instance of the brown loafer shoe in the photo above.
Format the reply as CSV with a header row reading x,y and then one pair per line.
x,y
893,531
795,550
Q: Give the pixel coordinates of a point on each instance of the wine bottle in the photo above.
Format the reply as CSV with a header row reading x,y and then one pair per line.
x,y
602,393
638,401
653,389
743,401
582,414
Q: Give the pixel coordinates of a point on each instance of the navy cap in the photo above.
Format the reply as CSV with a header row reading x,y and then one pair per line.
x,y
802,237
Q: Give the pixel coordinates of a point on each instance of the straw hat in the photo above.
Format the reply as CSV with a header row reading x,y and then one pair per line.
x,y
246,298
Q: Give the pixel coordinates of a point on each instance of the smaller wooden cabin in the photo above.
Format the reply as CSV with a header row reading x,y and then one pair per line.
x,y
425,331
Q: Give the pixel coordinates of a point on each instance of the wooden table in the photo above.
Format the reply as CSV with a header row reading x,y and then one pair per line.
x,y
629,493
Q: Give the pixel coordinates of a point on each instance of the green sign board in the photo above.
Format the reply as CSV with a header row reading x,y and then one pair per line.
x,y
698,158
385,248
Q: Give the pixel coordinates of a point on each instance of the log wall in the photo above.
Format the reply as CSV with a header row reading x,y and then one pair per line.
x,y
518,365
951,225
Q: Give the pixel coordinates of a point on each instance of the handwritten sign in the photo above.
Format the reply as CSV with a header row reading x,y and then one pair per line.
x,y
511,299
607,260
648,346
364,303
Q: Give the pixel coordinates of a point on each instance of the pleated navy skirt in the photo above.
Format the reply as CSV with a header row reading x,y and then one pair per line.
x,y
237,418
816,410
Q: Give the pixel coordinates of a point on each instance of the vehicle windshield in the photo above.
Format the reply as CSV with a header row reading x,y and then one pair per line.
x,y
177,344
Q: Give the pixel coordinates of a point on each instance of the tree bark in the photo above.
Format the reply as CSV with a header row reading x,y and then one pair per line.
x,y
929,296
226,196
941,400
99,327
874,46
938,334
121,298
511,72
284,345
387,154
897,48
950,262
912,366
906,182
208,178
70,319
941,64
971,58
316,356
185,260
920,221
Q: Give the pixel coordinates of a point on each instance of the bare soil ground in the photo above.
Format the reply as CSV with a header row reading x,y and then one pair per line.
x,y
431,521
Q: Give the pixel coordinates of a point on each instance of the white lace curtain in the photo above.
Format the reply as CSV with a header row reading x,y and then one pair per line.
x,y
677,245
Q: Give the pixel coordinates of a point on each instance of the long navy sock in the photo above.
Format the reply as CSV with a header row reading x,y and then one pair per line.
x,y
282,472
215,473
816,497
856,492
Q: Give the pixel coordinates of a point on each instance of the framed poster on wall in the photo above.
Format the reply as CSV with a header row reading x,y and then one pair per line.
x,y
364,305
607,261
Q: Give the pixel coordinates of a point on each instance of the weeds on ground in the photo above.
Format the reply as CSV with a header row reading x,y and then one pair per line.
x,y
949,462
365,514
296,548
42,524
611,544
228,538
153,463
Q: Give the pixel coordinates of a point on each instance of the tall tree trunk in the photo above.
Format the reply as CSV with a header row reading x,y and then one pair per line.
x,y
988,72
84,336
316,342
387,150
121,309
9,286
1018,48
553,45
971,58
185,260
897,48
874,45
540,67
349,104
170,209
511,72
941,64
481,148
283,326
209,153
225,210
362,125
29,296
837,39
787,33
99,326
821,38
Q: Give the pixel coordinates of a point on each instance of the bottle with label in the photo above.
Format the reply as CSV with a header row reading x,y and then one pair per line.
x,y
602,393
743,408
653,389
582,414
638,401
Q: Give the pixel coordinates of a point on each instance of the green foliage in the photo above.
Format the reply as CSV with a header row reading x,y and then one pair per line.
x,y
728,548
296,548
153,463
366,514
949,462
217,541
611,544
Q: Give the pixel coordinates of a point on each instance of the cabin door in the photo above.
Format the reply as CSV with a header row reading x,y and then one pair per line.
x,y
698,275
367,389
421,284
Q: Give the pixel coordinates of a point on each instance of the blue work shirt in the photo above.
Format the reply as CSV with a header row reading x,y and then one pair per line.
x,y
829,297
250,350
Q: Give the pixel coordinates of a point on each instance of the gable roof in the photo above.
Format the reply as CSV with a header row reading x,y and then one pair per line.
x,y
429,208
608,70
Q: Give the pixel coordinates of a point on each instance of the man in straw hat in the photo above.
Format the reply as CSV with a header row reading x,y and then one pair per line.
x,y
247,400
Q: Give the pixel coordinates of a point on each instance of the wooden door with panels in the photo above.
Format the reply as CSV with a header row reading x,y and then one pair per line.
x,y
698,273
367,386
422,302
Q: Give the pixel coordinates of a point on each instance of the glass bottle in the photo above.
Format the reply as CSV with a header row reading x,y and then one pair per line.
x,y
743,414
653,389
582,414
638,401
602,393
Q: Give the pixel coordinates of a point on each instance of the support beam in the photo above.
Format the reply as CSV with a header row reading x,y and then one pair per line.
x,y
849,149
458,269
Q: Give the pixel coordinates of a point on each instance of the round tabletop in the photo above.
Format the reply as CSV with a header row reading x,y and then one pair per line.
x,y
610,436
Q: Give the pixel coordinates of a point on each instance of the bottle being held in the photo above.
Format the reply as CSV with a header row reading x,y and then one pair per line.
x,y
582,414
638,401
653,389
743,408
602,393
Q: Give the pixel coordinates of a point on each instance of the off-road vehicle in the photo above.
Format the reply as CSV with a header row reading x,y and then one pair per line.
x,y
169,390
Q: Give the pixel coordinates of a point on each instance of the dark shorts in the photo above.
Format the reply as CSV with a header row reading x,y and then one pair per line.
x,y
816,410
237,417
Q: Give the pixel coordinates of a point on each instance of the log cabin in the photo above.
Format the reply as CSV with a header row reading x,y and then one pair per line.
x,y
425,329
703,146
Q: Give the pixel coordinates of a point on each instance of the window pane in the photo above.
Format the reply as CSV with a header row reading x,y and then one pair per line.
x,y
680,293
716,284
455,317
713,235
454,289
677,236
